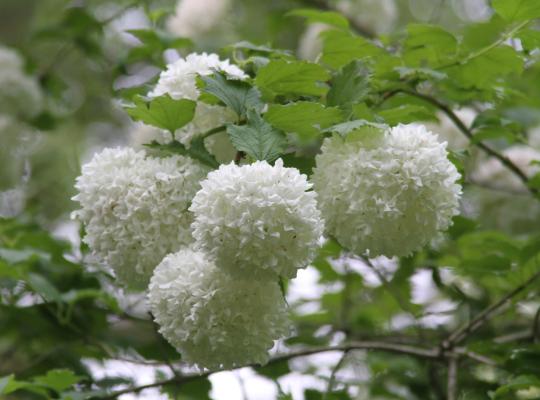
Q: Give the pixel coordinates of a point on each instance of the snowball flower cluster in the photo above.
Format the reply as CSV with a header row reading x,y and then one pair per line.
x,y
389,194
179,80
134,208
193,18
257,219
20,94
213,319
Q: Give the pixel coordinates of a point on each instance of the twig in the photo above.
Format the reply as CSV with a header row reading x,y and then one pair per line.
x,y
463,332
512,337
451,388
467,132
332,379
475,356
536,327
404,305
366,345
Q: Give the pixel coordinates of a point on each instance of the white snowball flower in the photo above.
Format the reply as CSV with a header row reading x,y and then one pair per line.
x,y
179,81
196,17
20,94
491,172
213,319
388,195
379,16
257,219
134,208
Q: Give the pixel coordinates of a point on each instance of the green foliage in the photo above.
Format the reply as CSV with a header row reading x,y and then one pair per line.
x,y
304,118
235,94
258,139
58,309
162,112
280,77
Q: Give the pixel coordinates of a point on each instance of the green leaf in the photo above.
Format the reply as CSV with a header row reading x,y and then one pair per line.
x,y
326,17
340,48
43,287
162,112
235,94
258,138
58,379
350,85
358,128
406,113
196,150
517,10
280,77
428,45
482,71
159,40
530,39
520,382
303,118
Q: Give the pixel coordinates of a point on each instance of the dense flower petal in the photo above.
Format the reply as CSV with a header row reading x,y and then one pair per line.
x,y
389,195
213,319
135,209
257,218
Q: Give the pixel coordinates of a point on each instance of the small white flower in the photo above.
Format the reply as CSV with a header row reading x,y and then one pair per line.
x,y
388,195
257,219
196,17
213,319
179,80
134,209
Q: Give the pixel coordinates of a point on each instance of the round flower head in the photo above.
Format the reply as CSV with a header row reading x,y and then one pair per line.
x,y
388,194
213,319
257,218
179,80
135,209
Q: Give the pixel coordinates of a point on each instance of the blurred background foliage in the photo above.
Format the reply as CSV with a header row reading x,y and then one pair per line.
x,y
62,321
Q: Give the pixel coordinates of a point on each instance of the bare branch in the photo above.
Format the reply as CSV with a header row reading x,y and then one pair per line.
x,y
451,388
463,332
335,370
415,351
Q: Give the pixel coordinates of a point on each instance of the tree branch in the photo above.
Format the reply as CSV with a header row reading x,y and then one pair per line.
x,y
421,352
451,388
463,332
468,133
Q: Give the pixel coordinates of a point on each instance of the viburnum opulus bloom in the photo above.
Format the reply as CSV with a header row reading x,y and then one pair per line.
x,y
179,81
387,194
135,209
257,219
214,319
